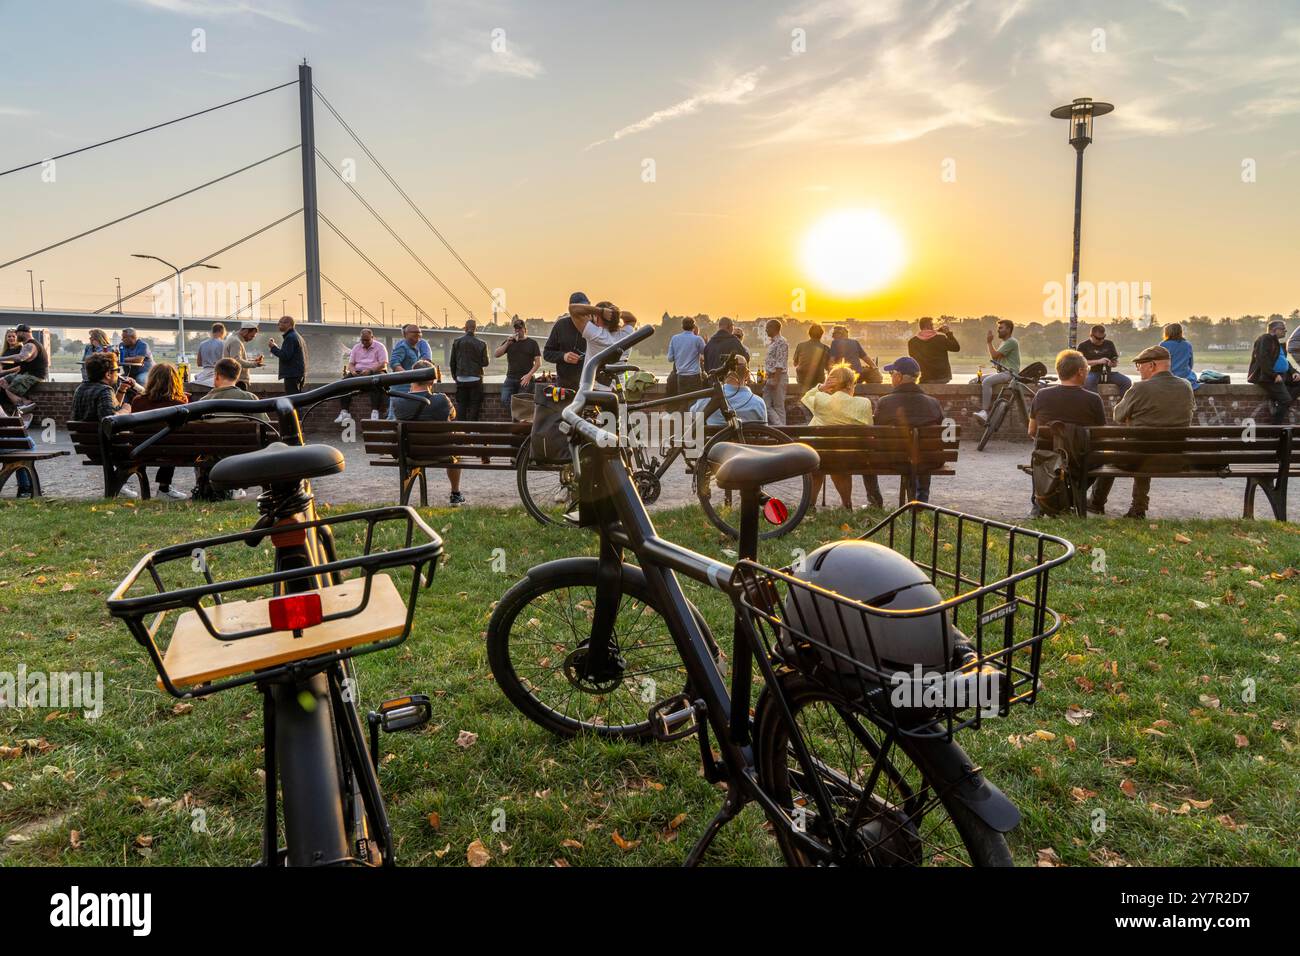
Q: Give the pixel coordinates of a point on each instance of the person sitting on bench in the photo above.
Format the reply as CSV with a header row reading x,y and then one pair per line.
x,y
438,409
1270,370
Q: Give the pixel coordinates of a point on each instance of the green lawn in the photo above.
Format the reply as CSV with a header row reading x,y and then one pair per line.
x,y
1160,647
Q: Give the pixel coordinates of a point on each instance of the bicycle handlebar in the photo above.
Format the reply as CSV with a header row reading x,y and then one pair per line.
x,y
572,415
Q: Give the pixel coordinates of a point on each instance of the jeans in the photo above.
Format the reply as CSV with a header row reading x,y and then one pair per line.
x,y
469,401
25,480
920,486
165,475
774,396
1115,378
509,389
378,398
989,383
1280,396
292,386
871,485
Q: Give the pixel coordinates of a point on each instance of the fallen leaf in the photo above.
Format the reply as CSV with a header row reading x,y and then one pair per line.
x,y
571,844
623,844
1128,788
1182,538
1242,740
434,819
477,854
1081,794
466,738
1048,857
1077,715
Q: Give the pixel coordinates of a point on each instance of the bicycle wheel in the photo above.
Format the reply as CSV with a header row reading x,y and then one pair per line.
x,y
902,821
538,635
548,491
998,413
723,507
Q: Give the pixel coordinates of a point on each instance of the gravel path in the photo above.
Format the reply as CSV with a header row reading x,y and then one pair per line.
x,y
987,483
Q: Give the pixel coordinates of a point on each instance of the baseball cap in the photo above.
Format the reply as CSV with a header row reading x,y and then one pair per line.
x,y
249,324
579,298
23,328
1156,353
904,366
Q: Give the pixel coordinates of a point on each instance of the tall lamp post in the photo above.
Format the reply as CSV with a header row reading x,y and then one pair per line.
x,y
181,358
31,280
1080,113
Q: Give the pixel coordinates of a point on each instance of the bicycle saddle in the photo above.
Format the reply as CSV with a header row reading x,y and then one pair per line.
x,y
747,466
277,463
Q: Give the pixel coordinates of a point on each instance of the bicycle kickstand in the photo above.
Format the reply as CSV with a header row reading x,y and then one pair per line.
x,y
731,806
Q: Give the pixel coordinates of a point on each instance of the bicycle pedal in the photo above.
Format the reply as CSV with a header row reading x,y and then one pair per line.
x,y
403,713
674,718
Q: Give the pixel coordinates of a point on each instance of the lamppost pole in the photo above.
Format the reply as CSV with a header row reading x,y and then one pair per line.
x,y
119,292
31,279
181,358
1080,114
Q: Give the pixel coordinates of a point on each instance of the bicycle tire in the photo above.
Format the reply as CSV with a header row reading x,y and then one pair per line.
x,y
891,837
703,490
552,515
572,573
998,413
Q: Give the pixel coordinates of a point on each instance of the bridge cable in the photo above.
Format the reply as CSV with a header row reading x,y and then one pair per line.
x,y
198,262
211,182
231,317
393,233
347,298
148,129
409,201
418,310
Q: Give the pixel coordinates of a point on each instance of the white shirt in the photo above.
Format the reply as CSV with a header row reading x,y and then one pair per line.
x,y
599,338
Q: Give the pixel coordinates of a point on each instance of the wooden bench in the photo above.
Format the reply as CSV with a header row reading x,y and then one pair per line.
x,y
881,449
17,455
194,445
413,447
1266,456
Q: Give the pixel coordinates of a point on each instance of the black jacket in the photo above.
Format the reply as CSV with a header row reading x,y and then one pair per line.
x,y
564,337
720,349
932,355
292,354
1262,359
469,356
908,405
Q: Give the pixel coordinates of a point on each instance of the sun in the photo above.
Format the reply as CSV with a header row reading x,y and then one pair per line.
x,y
853,251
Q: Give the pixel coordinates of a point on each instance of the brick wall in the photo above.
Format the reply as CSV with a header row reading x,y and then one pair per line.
x,y
1215,404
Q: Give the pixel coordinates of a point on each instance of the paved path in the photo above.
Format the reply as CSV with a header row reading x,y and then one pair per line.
x,y
988,483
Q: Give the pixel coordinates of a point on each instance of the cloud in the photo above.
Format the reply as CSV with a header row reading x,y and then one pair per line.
x,y
1010,11
468,42
15,111
729,94
281,13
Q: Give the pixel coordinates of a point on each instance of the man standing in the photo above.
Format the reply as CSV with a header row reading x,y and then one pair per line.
x,y
930,348
685,350
565,346
134,355
722,346
776,372
1070,402
210,353
811,359
292,355
469,358
523,359
909,406
32,366
601,325
1270,370
1100,354
368,357
847,351
404,356
1006,353
1160,400
233,349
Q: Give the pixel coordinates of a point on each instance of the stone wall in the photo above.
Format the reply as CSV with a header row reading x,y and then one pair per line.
x,y
1215,404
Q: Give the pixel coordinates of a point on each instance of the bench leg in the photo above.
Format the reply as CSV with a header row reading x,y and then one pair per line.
x,y
406,482
5,472
424,489
1248,504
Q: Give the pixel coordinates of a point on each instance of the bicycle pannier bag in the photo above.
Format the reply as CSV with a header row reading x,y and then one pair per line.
x,y
547,444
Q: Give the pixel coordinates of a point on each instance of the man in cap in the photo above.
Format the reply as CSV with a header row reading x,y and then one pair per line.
x,y
233,348
1270,370
566,347
908,405
1160,400
31,367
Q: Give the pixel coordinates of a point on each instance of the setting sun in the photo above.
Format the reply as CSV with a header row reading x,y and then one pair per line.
x,y
853,251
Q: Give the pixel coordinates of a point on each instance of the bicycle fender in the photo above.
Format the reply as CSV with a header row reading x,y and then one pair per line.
x,y
564,565
947,765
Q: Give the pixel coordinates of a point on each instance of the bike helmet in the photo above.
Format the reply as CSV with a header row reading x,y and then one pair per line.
x,y
878,577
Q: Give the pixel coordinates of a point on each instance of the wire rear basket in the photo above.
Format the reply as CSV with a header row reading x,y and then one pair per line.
x,y
976,648
203,619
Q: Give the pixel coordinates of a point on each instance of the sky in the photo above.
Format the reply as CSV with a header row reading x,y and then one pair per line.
x,y
667,156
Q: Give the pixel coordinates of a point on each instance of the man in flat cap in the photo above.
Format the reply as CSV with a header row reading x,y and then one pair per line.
x,y
1160,400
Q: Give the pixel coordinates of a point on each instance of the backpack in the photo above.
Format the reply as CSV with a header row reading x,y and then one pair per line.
x,y
1053,470
1211,377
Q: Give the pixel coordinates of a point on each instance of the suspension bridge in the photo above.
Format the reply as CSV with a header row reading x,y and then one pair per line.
x,y
324,339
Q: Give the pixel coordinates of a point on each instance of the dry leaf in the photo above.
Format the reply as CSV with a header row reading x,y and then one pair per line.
x,y
466,738
1128,788
1182,538
1048,857
477,854
571,844
1077,715
1242,740
676,821
1081,794
623,844
434,819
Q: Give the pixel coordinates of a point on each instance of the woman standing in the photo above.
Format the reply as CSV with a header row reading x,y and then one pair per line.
x,y
833,403
98,343
1180,354
162,389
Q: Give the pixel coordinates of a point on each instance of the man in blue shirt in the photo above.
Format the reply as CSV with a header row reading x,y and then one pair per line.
x,y
134,355
684,351
1270,370
411,349
747,406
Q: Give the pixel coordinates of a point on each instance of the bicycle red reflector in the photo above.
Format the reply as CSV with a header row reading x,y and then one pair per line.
x,y
296,612
775,511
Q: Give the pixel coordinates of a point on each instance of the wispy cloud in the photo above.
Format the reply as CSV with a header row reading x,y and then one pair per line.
x,y
15,111
1010,10
470,43
846,17
281,13
730,93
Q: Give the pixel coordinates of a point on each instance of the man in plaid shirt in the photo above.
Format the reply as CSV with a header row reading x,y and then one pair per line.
x,y
776,369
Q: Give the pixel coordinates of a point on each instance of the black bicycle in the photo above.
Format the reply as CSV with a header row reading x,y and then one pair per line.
x,y
845,771
1024,383
549,491
294,631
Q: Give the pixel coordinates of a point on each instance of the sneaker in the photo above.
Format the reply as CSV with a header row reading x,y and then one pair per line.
x,y
1134,514
238,493
27,409
173,493
457,499
128,493
343,417
27,422
23,494
374,415
982,415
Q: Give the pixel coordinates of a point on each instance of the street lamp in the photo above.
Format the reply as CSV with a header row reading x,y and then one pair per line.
x,y
119,292
42,295
1080,113
302,309
31,280
180,311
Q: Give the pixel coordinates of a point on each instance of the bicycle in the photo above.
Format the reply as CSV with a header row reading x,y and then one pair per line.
x,y
549,491
843,773
293,632
1026,382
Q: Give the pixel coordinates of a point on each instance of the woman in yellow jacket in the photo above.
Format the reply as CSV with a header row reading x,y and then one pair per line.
x,y
833,403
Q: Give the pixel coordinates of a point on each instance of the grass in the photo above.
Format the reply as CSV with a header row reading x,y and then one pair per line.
x,y
1164,635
